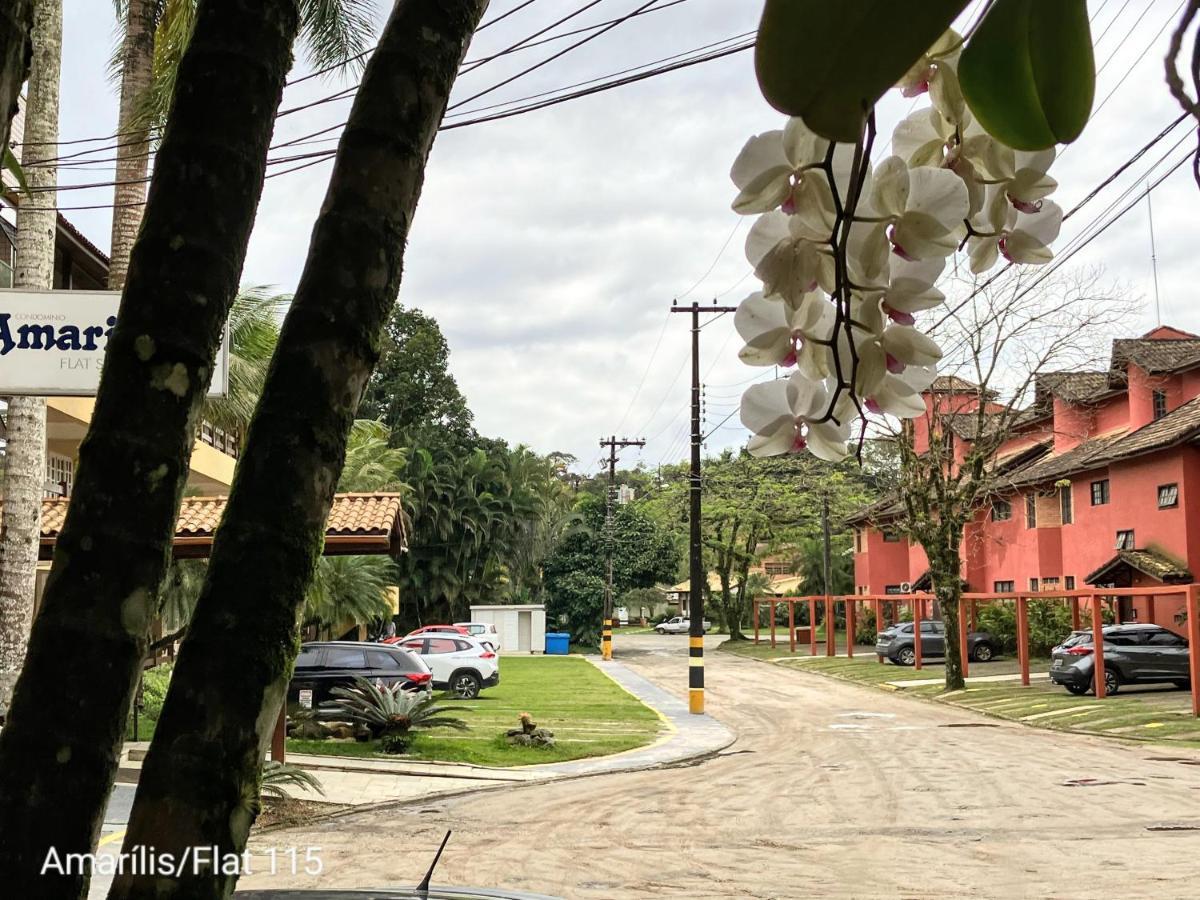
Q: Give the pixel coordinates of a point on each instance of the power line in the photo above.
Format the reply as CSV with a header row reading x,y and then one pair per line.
x,y
324,156
1121,169
554,56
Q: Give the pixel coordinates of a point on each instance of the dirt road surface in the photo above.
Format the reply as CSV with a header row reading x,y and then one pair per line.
x,y
831,790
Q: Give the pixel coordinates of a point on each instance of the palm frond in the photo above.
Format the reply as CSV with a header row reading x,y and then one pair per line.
x,y
336,32
276,776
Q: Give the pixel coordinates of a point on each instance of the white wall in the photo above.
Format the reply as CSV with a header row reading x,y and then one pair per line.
x,y
507,622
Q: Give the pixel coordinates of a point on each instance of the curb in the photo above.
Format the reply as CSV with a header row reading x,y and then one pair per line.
x,y
686,759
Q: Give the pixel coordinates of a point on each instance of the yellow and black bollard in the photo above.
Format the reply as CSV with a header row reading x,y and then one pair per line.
x,y
606,640
696,674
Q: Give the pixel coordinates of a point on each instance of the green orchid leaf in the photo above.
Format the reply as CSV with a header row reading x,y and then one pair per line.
x,y
1029,73
828,63
11,163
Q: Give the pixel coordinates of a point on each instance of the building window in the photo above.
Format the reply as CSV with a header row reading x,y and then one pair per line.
x,y
6,263
1001,510
1033,584
1168,496
1160,404
859,543
1003,587
1125,540
1099,492
1066,504
1031,510
60,474
1050,584
1069,582
891,537
776,568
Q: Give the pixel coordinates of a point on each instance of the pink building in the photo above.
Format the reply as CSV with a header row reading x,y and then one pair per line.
x,y
1101,484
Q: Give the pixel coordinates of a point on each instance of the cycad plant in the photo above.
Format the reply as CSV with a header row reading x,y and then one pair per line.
x,y
389,712
276,776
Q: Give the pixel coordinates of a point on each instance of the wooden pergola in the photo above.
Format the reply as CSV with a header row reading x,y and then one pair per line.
x,y
920,606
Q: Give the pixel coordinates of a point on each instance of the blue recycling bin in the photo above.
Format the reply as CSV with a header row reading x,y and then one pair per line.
x,y
557,643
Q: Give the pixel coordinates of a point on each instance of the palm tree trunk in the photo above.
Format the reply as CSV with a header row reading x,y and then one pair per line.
x,y
25,454
200,782
133,145
16,21
116,542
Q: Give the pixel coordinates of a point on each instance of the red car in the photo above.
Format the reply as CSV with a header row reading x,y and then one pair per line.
x,y
428,629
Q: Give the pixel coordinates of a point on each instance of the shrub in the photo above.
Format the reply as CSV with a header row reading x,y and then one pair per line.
x,y
1049,624
389,712
277,775
864,628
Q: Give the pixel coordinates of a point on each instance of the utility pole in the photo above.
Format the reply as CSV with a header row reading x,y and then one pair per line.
x,y
697,577
607,622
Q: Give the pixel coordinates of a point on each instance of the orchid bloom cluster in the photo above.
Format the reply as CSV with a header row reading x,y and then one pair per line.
x,y
848,254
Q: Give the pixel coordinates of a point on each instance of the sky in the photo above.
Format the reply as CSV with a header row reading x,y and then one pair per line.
x,y
550,245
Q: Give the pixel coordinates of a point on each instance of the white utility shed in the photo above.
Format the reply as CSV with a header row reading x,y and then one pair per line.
x,y
522,627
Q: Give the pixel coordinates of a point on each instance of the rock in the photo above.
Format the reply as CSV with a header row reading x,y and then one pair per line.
x,y
539,737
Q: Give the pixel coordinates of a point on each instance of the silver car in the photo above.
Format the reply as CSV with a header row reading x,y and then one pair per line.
x,y
1140,654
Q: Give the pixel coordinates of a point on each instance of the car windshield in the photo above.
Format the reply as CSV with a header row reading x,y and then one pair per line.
x,y
1077,638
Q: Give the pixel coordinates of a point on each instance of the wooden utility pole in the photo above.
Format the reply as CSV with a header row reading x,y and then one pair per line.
x,y
697,577
607,621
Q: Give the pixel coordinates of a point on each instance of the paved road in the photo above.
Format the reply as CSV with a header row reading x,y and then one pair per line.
x,y
832,790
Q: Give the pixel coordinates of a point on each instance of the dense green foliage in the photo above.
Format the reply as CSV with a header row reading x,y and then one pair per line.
x,y
754,508
644,553
411,390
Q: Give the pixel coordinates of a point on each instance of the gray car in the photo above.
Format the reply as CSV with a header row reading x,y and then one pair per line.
x,y
896,643
1142,654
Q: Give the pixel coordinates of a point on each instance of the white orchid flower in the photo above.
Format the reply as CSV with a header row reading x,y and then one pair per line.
x,y
787,260
1022,237
778,332
1030,184
1022,173
902,395
789,415
922,208
775,169
1028,240
922,137
911,287
892,350
936,72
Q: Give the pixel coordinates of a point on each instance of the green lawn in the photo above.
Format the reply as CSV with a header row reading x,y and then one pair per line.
x,y
589,714
1149,712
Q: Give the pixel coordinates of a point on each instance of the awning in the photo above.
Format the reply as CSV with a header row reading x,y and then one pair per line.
x,y
1148,562
359,524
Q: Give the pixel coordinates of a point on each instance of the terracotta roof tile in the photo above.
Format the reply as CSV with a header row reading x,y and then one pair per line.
x,y
1148,562
1156,355
377,518
1074,387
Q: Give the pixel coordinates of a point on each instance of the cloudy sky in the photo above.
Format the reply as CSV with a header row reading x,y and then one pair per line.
x,y
550,245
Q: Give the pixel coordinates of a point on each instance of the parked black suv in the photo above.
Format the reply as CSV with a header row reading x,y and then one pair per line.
x,y
1132,653
896,643
323,665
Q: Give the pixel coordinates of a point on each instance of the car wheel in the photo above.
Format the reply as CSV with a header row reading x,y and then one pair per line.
x,y
660,631
1112,681
983,652
465,685
906,656
1077,689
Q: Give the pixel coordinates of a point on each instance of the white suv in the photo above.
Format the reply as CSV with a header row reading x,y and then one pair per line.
x,y
482,631
460,664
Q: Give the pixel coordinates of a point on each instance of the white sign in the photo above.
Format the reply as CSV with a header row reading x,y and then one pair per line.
x,y
52,343
306,698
